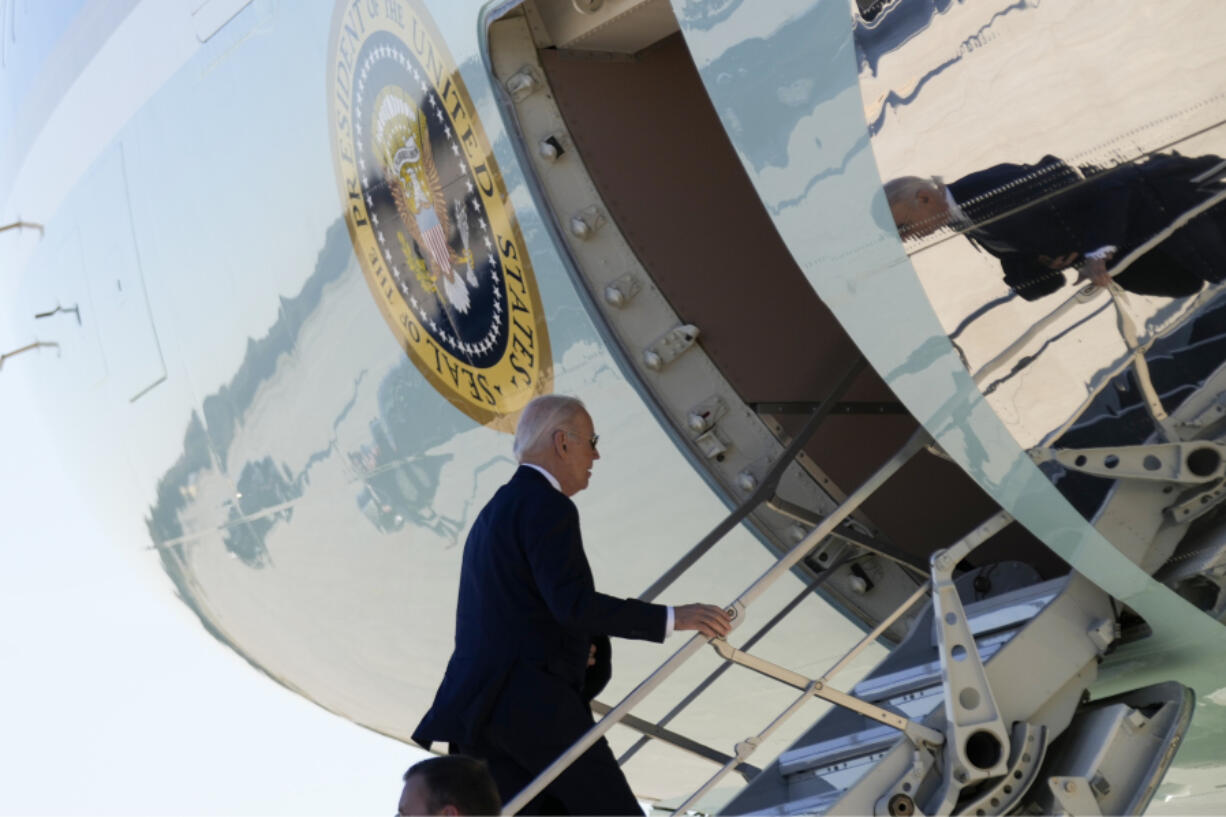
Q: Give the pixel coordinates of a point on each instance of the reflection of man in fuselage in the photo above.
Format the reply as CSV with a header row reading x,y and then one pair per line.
x,y
1041,219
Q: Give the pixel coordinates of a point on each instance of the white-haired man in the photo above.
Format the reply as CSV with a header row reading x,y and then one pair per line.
x,y
531,641
1041,219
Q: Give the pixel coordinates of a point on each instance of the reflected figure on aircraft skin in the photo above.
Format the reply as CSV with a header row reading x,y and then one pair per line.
x,y
1041,219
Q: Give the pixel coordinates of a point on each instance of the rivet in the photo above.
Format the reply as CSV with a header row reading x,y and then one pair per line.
x,y
614,296
521,84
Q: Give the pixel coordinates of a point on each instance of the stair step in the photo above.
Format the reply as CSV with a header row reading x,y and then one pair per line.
x,y
815,804
846,749
886,688
914,692
836,750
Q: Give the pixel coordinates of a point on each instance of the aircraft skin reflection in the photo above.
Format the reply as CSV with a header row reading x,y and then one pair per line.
x,y
370,264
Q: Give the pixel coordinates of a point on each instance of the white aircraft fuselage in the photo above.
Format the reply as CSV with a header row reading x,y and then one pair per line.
x,y
322,254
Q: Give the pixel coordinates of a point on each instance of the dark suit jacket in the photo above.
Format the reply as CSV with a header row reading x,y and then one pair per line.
x,y
527,615
1020,212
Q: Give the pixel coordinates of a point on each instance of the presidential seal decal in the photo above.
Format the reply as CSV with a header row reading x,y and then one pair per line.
x,y
428,214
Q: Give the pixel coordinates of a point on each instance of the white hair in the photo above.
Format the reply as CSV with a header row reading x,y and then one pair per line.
x,y
904,189
540,419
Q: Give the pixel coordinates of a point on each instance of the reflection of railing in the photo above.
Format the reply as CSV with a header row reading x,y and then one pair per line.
x,y
74,309
38,344
979,313
1124,321
22,225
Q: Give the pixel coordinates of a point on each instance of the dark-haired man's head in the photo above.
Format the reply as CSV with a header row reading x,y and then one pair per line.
x,y
452,785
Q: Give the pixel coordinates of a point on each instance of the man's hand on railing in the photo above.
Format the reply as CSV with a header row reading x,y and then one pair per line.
x,y
707,619
1095,271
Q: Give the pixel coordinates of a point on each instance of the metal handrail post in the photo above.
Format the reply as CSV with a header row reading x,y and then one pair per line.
x,y
764,491
916,443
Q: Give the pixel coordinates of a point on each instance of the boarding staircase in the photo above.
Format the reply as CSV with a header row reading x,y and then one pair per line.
x,y
981,709
1019,684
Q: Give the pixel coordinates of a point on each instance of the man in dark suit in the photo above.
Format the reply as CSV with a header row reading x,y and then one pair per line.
x,y
531,641
1041,219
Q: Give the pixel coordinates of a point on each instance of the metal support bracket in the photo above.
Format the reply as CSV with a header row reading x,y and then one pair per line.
x,y
1186,463
523,83
1211,414
670,346
1197,505
1029,748
1075,796
978,744
899,799
919,734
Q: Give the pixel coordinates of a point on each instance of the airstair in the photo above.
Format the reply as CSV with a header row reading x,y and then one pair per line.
x,y
980,709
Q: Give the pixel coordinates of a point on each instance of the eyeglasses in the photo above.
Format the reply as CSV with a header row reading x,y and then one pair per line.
x,y
595,438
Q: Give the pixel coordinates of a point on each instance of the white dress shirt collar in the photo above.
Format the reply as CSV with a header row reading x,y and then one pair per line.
x,y
557,486
957,218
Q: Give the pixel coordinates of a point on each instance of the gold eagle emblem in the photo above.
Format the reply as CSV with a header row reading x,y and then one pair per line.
x,y
402,142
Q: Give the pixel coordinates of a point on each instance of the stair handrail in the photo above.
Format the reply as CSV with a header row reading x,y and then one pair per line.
x,y
1088,292
919,734
703,685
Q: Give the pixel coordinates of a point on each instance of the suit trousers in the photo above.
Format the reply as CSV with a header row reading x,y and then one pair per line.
x,y
594,784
